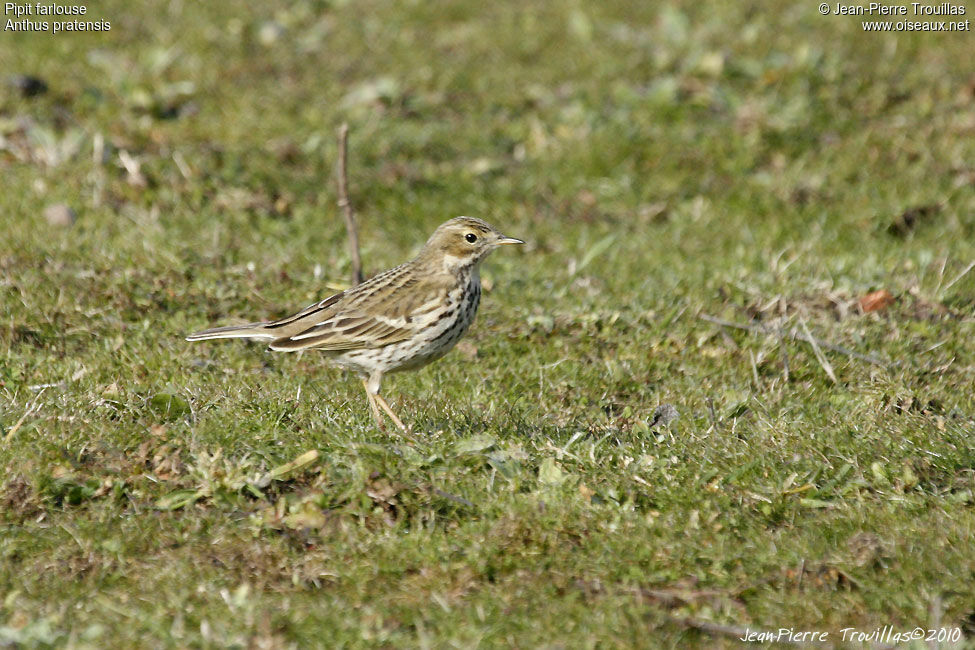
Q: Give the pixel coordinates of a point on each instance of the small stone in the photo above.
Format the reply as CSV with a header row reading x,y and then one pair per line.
x,y
29,86
59,214
269,33
664,415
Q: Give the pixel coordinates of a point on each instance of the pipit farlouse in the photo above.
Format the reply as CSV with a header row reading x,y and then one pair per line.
x,y
401,319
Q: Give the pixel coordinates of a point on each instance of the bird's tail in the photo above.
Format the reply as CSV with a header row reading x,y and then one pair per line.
x,y
249,331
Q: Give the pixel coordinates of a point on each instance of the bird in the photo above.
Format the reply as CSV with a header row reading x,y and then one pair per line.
x,y
400,319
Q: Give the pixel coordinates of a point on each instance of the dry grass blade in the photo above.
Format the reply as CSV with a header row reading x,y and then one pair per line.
x,y
32,408
820,357
805,337
282,472
785,356
958,277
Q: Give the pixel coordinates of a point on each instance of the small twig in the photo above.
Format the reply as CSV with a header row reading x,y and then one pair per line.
x,y
346,205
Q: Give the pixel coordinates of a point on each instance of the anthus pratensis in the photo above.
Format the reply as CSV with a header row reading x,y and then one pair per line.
x,y
401,319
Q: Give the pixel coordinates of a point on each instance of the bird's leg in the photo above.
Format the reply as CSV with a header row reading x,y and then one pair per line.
x,y
372,388
389,412
372,405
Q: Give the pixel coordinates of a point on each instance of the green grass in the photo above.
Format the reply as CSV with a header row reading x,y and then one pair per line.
x,y
746,162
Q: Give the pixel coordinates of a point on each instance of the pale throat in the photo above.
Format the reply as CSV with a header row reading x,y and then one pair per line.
x,y
456,263
466,271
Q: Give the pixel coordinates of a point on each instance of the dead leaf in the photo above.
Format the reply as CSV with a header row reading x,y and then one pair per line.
x,y
876,301
382,491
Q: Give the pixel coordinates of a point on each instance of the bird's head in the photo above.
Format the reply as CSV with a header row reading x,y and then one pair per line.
x,y
463,241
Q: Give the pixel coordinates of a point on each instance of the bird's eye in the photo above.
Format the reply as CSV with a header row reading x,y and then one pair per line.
x,y
471,237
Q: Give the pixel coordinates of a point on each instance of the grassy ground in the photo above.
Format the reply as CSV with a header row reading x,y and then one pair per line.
x,y
750,162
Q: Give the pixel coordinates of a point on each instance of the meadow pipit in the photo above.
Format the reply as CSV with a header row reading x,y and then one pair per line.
x,y
401,319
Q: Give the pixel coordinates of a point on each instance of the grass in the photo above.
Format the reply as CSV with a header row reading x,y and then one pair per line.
x,y
753,164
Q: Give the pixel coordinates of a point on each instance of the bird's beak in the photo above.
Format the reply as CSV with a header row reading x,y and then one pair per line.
x,y
508,240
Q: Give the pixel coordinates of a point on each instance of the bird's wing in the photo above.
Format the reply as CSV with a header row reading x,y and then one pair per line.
x,y
350,331
313,313
371,315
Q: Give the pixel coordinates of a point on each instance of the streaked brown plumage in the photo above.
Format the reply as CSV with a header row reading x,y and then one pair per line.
x,y
401,319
